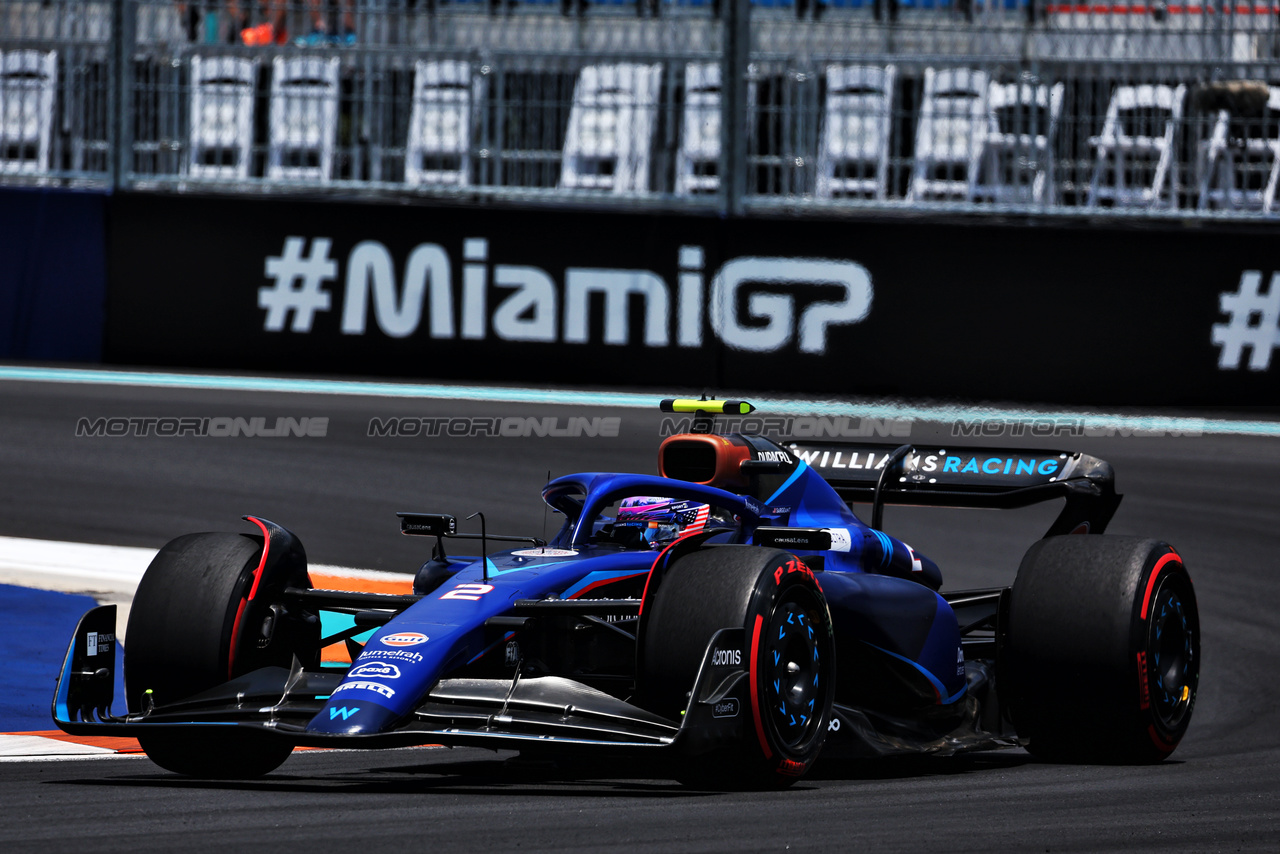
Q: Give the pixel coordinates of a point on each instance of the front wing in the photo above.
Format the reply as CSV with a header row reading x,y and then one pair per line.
x,y
512,713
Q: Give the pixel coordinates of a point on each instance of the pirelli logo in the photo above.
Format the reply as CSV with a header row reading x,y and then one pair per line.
x,y
1144,688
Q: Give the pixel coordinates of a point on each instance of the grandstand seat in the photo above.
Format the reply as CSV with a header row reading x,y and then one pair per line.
x,y
439,146
853,156
950,132
1134,163
222,98
1017,160
698,160
28,83
607,145
1242,160
304,118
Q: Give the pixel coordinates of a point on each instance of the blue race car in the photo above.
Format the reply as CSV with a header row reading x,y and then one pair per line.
x,y
730,618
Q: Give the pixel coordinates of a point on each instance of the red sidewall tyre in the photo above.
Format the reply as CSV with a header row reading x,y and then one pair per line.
x,y
1103,656
790,657
182,620
187,615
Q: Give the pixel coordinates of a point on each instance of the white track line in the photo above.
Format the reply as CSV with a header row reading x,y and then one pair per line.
x,y
110,574
65,757
72,567
34,745
108,570
882,409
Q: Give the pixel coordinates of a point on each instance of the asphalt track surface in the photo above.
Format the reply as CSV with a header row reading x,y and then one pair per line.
x,y
1212,496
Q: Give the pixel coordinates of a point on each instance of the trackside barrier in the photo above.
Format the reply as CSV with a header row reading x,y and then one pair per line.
x,y
52,274
1160,315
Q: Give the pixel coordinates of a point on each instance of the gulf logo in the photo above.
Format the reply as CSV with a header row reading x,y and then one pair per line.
x,y
405,639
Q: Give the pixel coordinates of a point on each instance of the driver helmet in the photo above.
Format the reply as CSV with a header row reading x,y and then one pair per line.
x,y
662,520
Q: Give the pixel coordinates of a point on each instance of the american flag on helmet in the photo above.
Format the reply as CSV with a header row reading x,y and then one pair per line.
x,y
694,519
691,516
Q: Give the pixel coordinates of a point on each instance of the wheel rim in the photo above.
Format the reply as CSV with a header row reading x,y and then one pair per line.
x,y
794,688
1172,662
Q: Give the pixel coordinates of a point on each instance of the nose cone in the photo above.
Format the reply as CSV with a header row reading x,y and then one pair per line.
x,y
352,717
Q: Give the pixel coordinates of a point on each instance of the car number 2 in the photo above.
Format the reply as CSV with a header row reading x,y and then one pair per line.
x,y
471,592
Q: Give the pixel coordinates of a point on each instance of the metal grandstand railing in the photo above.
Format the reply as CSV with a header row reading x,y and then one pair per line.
x,y
1109,108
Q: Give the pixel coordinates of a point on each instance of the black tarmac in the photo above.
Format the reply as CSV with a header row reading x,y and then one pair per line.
x,y
1213,497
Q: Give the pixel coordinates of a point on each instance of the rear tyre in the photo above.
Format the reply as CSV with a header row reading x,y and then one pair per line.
x,y
789,653
1103,654
183,639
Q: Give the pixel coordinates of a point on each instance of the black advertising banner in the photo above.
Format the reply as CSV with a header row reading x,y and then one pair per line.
x,y
52,274
1153,315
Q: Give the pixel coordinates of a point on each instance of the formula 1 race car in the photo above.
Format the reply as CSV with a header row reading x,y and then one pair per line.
x,y
730,617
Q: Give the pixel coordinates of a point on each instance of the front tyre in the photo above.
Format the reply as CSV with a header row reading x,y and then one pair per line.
x,y
216,752
189,631
182,623
789,655
1103,649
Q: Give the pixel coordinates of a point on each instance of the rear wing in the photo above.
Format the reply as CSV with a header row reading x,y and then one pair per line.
x,y
957,476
